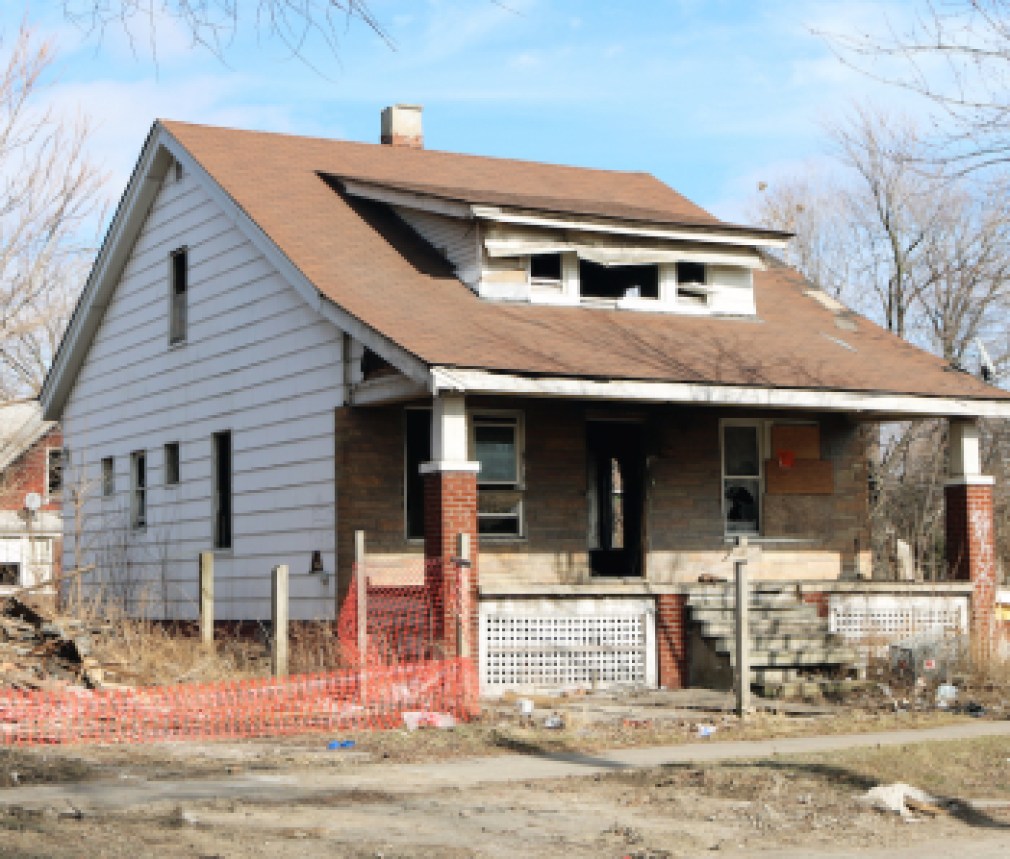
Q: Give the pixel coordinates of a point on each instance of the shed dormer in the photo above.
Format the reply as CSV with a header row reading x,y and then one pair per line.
x,y
506,253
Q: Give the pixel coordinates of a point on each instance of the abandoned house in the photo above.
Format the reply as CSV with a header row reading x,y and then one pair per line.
x,y
287,340
31,454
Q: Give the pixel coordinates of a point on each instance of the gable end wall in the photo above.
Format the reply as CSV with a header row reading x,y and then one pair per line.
x,y
258,362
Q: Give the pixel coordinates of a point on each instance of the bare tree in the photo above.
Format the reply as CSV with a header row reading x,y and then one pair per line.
x,y
956,54
925,252
49,193
213,24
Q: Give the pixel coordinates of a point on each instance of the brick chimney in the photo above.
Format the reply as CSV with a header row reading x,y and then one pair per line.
x,y
401,126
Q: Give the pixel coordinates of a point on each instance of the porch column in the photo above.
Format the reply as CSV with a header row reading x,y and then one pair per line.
x,y
450,509
971,537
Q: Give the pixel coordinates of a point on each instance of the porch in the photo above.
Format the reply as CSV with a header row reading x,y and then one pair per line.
x,y
592,523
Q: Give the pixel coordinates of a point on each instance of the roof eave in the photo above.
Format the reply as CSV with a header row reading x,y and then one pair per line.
x,y
871,405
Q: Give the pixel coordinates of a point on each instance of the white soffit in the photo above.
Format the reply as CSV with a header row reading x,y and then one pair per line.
x,y
611,255
892,405
708,233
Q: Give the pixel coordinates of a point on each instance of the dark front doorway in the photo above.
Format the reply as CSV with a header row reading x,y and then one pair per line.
x,y
616,484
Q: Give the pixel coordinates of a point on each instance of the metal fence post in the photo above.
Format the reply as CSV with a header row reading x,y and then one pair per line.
x,y
742,630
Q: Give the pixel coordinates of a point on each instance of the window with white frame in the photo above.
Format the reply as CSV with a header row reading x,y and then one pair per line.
x,y
692,282
497,446
741,476
138,489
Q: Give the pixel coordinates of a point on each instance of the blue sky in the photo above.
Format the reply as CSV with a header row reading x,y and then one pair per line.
x,y
711,96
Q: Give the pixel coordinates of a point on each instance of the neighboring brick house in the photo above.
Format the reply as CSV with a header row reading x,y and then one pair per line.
x,y
285,340
31,473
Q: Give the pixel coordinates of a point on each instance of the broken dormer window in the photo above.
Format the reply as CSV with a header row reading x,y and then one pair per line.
x,y
692,282
618,281
545,268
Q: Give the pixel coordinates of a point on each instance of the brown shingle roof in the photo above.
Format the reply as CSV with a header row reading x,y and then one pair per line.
x,y
362,257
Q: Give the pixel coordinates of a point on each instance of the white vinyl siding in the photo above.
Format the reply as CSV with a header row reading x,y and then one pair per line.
x,y
258,361
454,238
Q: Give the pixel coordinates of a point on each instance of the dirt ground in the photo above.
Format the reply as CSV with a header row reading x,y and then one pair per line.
x,y
781,806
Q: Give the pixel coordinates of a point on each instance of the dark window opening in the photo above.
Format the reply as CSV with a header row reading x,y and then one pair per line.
x,y
692,278
178,298
545,267
222,496
172,463
616,491
108,477
417,431
618,281
10,573
54,471
138,502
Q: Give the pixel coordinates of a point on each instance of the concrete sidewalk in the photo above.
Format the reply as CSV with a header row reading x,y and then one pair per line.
x,y
395,779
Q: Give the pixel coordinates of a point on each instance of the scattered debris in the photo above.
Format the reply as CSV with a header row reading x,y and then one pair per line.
x,y
42,651
706,730
340,744
554,722
414,719
902,799
946,695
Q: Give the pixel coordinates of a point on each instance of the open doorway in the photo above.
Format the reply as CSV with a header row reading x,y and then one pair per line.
x,y
616,491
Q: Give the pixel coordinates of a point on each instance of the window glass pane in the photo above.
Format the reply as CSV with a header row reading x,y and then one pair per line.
x,y
740,451
498,526
742,506
496,452
691,272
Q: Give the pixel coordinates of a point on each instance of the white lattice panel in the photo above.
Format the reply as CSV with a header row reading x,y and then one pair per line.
x,y
880,618
556,644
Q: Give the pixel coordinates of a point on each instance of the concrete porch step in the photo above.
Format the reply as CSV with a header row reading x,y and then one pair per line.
x,y
799,640
814,656
767,629
756,614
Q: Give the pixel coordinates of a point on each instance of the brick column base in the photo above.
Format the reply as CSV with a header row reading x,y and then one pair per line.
x,y
971,552
450,509
671,640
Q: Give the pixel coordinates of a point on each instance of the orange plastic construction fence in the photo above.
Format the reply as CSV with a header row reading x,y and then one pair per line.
x,y
350,699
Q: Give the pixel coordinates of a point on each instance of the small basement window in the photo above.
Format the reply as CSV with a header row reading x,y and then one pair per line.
x,y
618,281
692,282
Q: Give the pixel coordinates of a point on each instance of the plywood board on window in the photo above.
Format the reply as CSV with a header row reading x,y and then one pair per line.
x,y
805,477
802,440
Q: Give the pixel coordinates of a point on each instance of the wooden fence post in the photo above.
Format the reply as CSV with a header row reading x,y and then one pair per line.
x,y
279,614
207,598
361,583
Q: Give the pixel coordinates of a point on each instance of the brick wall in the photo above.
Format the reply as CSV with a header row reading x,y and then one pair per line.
x,y
671,640
28,474
971,551
450,509
683,529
